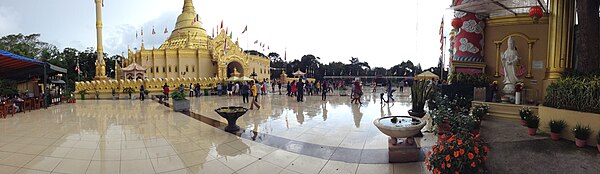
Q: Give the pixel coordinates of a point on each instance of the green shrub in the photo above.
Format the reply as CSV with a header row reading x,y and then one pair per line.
x,y
578,93
557,126
581,132
177,95
533,121
478,80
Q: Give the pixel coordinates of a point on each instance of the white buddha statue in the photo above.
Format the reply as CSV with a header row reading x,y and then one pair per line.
x,y
510,58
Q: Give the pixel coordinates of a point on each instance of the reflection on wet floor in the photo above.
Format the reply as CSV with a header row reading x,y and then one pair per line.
x,y
344,124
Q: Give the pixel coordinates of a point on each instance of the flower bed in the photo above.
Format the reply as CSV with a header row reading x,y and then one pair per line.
x,y
462,153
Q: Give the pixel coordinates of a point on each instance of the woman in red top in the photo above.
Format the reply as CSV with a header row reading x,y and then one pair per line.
x,y
357,93
294,88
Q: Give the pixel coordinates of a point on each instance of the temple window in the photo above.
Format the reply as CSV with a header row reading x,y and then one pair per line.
x,y
187,69
151,70
164,69
193,68
176,69
169,68
157,69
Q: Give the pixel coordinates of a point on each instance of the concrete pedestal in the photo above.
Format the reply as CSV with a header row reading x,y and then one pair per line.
x,y
402,152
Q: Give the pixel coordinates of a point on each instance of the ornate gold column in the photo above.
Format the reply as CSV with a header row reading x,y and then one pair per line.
x,y
560,37
100,64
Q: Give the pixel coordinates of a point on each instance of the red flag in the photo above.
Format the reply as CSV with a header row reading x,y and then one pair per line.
x,y
245,29
221,23
153,32
285,55
166,31
142,31
442,36
255,42
213,32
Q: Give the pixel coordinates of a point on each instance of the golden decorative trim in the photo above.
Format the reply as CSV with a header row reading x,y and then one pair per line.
x,y
520,19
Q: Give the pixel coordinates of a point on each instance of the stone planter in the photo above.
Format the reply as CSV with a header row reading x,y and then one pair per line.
x,y
554,136
181,105
531,131
580,143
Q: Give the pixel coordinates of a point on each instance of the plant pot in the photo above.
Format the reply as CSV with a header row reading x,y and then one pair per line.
x,y
580,143
523,123
181,105
554,136
416,113
531,131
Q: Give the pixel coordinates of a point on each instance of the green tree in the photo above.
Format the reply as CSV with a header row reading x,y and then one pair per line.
x,y
28,46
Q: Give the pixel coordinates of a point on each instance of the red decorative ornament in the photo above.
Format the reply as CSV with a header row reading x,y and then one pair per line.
x,y
457,23
536,13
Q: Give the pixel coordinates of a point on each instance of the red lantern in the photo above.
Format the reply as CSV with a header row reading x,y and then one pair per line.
x,y
457,23
536,13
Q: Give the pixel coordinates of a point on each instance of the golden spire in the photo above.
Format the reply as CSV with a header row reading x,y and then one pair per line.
x,y
187,21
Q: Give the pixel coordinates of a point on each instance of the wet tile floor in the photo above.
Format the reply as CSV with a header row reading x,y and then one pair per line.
x,y
145,137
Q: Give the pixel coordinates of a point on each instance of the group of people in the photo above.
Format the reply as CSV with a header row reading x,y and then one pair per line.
x,y
14,100
297,89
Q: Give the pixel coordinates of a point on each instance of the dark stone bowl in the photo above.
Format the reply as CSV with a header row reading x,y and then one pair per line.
x,y
231,114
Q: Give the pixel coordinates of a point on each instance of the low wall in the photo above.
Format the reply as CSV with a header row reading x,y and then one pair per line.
x,y
572,118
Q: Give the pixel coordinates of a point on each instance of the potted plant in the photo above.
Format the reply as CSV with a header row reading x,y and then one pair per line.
x,y
129,91
460,153
180,104
420,92
533,122
480,110
524,113
581,135
518,90
556,127
82,93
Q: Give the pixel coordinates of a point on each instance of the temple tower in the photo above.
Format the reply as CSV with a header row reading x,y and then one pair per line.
x,y
100,64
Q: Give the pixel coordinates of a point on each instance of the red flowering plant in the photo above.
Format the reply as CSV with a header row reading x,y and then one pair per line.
x,y
460,153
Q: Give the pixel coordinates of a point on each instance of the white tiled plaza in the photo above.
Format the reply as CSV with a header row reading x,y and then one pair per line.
x,y
105,136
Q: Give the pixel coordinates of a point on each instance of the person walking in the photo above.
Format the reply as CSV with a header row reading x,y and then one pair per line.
x,y
191,90
300,86
254,90
229,89
289,89
245,92
273,86
166,90
197,89
142,89
279,86
294,88
356,92
325,90
390,92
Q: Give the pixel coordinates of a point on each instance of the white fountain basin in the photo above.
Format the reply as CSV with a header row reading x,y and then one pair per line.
x,y
407,126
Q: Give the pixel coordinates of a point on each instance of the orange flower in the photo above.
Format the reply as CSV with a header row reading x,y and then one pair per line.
x,y
428,153
450,139
459,142
471,155
443,136
428,167
485,148
448,165
455,153
451,147
441,148
455,172
447,157
436,171
443,166
473,164
434,150
462,151
476,150
477,135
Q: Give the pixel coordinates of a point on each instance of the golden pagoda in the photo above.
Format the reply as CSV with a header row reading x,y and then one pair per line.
x,y
189,55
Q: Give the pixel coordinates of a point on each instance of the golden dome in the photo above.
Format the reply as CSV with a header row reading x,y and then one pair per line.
x,y
187,33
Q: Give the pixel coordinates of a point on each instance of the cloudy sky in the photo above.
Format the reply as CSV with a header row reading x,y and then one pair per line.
x,y
381,32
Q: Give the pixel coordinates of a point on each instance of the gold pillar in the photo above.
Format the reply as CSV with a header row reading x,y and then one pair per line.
x,y
100,64
560,37
498,44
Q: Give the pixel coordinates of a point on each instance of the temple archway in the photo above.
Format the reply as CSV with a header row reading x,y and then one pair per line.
x,y
237,66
